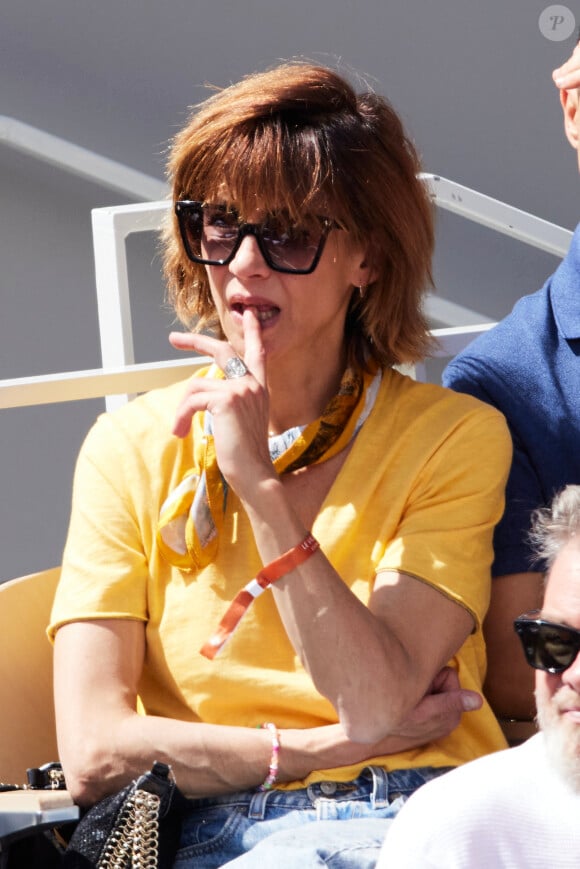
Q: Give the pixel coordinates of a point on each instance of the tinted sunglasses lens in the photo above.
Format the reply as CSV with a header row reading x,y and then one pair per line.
x,y
549,647
209,234
558,647
292,248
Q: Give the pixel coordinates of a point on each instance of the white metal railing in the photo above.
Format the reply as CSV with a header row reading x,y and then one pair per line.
x,y
118,382
78,160
120,377
498,215
95,383
111,226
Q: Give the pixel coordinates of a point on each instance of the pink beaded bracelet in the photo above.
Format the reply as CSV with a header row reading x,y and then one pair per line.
x,y
272,776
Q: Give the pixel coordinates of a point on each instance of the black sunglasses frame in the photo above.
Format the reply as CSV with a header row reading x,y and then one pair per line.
x,y
531,628
183,207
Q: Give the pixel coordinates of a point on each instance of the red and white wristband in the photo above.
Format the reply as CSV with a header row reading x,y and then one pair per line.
x,y
269,574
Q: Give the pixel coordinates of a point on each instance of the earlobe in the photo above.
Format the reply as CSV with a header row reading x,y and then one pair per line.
x,y
366,274
569,100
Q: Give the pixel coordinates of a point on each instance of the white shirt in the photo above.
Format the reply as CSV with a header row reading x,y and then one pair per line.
x,y
508,809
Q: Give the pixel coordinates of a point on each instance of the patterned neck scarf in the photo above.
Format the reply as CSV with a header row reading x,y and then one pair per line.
x,y
191,518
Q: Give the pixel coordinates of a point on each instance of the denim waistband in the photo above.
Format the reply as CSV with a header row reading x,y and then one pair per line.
x,y
376,785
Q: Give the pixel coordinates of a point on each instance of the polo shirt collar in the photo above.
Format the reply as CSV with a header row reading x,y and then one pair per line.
x,y
565,291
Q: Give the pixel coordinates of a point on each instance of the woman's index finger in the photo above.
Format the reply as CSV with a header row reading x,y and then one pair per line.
x,y
254,355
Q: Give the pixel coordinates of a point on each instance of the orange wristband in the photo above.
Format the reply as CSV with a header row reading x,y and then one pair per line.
x,y
269,574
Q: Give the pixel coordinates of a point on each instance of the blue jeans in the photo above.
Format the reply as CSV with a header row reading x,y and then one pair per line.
x,y
290,829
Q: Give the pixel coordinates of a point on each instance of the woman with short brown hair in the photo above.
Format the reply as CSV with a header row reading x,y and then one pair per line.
x,y
286,559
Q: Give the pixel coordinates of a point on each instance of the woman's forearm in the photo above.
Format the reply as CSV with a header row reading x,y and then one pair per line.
x,y
209,760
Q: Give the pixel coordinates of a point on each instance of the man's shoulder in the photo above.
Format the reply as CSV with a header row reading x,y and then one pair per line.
x,y
526,336
510,792
504,351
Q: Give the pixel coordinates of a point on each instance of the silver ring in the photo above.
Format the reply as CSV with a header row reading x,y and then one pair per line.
x,y
234,367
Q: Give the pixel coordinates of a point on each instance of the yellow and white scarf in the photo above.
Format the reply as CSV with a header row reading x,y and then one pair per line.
x,y
191,517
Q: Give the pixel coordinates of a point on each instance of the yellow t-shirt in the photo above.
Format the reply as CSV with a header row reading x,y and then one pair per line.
x,y
420,492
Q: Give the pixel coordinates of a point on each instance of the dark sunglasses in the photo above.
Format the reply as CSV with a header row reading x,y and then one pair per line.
x,y
547,645
212,234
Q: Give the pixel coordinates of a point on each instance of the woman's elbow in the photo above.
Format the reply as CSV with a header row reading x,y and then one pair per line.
x,y
373,725
91,772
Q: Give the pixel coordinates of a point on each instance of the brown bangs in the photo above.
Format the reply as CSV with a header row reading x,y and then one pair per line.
x,y
267,167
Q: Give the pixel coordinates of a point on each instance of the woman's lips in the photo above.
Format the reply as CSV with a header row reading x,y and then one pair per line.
x,y
263,312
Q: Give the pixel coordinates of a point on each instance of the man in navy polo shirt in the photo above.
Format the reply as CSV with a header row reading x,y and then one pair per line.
x,y
528,366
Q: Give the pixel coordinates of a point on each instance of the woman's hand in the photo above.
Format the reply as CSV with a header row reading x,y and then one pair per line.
x,y
436,715
440,710
239,406
567,76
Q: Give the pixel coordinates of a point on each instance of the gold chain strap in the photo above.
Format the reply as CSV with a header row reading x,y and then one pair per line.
x,y
134,843
56,777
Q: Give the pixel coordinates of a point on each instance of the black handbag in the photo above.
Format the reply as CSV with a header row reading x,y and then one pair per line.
x,y
136,828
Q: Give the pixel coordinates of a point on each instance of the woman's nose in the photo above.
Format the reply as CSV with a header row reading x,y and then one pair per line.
x,y
249,260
